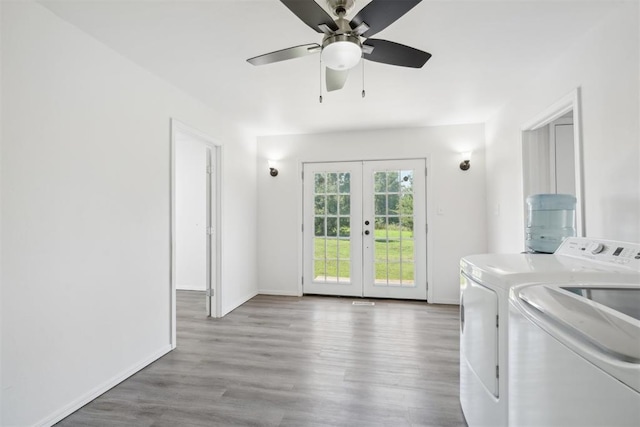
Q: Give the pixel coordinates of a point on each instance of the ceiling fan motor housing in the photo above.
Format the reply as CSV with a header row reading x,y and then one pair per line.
x,y
340,7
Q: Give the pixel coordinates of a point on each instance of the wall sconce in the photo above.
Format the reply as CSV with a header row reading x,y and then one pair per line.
x,y
273,171
466,161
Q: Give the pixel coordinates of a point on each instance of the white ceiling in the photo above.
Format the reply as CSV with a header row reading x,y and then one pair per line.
x,y
483,50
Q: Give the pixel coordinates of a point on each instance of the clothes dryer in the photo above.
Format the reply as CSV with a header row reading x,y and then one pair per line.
x,y
485,281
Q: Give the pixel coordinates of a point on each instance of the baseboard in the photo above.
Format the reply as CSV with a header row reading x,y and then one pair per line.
x,y
277,292
450,301
102,388
238,302
189,288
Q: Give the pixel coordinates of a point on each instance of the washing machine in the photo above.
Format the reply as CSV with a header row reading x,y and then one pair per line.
x,y
485,282
574,355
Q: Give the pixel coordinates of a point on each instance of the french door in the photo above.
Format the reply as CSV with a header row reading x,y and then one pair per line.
x,y
365,229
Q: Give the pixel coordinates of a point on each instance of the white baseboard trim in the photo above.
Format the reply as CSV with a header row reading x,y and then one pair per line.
x,y
189,288
450,301
278,292
102,388
238,302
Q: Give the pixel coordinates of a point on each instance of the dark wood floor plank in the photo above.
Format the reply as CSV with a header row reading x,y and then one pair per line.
x,y
287,361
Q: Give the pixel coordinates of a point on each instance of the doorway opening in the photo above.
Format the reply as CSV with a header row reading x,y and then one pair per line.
x,y
552,154
364,229
195,219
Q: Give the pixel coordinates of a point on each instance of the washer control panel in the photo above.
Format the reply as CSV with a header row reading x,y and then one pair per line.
x,y
624,254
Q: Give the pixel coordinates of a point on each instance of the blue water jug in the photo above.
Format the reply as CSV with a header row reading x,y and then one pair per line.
x,y
551,218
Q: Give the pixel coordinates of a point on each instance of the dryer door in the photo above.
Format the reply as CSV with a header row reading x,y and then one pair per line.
x,y
479,331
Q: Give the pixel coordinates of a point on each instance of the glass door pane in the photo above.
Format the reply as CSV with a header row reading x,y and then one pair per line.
x,y
394,200
333,242
393,218
332,233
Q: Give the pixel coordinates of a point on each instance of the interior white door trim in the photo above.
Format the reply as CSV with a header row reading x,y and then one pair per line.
x,y
214,193
569,102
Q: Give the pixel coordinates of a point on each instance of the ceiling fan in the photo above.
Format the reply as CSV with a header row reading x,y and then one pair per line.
x,y
342,44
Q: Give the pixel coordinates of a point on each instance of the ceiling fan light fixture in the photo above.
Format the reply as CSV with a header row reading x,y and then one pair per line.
x,y
341,52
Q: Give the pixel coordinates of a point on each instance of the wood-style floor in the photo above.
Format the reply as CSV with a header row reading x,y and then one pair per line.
x,y
287,361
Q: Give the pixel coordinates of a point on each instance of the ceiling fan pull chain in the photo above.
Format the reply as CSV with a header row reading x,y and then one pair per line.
x,y
320,74
363,92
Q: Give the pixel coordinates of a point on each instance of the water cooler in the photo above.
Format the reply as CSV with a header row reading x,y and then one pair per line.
x,y
550,219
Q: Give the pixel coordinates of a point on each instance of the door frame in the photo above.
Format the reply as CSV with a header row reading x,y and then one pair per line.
x,y
428,212
214,193
570,102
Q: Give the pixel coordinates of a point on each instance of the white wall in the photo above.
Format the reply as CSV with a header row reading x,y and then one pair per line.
x,y
605,65
85,178
1,94
459,231
191,213
239,226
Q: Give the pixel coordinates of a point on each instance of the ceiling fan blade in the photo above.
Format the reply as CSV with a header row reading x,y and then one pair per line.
x,y
284,54
335,79
392,53
311,14
379,14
